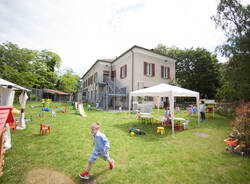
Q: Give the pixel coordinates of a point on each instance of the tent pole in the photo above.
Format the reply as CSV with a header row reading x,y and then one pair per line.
x,y
198,107
158,104
171,100
129,106
213,110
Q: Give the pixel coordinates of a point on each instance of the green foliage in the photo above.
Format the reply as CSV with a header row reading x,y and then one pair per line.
x,y
241,128
196,69
150,158
234,18
69,81
52,60
28,68
16,64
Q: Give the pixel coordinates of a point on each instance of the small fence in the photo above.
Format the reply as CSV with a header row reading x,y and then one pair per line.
x,y
39,94
36,95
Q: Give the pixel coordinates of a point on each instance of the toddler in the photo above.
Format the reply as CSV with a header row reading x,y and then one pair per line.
x,y
101,148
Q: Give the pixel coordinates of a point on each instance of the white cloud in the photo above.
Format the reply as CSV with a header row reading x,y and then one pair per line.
x,y
83,31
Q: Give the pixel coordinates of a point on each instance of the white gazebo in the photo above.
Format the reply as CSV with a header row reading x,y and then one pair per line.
x,y
170,91
7,93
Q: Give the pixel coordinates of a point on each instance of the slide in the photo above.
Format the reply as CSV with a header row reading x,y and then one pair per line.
x,y
81,110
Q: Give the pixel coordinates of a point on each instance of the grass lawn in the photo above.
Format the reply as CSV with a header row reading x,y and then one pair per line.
x,y
150,158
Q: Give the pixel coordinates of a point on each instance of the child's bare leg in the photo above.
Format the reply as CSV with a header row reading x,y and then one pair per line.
x,y
110,160
89,166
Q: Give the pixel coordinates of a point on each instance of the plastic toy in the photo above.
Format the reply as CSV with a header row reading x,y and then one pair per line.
x,y
136,131
132,134
232,146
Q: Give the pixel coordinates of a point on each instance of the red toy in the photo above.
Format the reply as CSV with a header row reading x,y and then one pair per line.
x,y
44,128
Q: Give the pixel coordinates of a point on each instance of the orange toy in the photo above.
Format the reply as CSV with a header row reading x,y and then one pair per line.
x,y
231,142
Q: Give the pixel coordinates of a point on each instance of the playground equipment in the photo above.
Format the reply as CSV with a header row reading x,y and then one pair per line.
x,y
81,110
233,146
46,102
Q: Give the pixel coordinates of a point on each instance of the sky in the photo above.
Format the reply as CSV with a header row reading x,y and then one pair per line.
x,y
82,31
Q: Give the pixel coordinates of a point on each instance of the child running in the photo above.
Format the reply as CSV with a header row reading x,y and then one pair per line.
x,y
101,148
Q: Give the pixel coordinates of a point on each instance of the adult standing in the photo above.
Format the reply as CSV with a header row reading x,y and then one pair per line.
x,y
203,111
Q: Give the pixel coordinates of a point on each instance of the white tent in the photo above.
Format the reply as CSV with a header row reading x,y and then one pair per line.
x,y
7,92
170,91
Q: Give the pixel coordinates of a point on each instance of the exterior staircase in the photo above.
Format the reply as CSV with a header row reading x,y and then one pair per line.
x,y
110,90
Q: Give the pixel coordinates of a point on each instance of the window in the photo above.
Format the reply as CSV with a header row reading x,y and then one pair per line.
x,y
105,75
149,69
165,72
123,72
113,74
95,77
148,98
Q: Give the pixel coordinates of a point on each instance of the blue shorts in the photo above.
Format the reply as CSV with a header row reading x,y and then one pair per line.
x,y
95,155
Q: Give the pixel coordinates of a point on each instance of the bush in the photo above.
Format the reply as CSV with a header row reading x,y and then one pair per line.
x,y
241,128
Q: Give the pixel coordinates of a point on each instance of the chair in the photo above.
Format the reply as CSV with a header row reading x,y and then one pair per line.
x,y
66,109
185,124
160,130
44,128
13,125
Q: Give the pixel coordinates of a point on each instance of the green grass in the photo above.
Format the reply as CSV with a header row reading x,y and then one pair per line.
x,y
150,158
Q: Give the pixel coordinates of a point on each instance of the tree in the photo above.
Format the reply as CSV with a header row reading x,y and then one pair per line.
x,y
196,69
16,64
52,60
28,68
69,81
234,19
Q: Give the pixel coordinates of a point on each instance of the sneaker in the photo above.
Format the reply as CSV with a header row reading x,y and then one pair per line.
x,y
84,175
112,165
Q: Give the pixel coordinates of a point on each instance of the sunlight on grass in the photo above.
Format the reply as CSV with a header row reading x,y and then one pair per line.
x,y
150,158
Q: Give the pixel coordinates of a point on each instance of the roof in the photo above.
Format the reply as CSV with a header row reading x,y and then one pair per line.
x,y
5,83
135,46
53,91
5,116
106,60
113,60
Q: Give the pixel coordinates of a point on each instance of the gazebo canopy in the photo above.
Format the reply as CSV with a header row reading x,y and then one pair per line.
x,y
5,83
170,91
165,90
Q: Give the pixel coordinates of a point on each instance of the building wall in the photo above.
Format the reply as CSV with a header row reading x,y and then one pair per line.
x,y
125,60
139,56
140,80
91,88
143,81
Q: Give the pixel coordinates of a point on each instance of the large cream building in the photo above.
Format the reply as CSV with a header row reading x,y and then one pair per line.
x,y
109,81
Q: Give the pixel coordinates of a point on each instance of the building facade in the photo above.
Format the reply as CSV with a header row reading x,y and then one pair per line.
x,y
109,81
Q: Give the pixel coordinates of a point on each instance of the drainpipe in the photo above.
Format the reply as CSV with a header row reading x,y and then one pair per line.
x,y
132,75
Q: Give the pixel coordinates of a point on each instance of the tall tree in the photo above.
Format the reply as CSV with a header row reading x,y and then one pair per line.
x,y
196,69
16,64
28,68
234,19
69,81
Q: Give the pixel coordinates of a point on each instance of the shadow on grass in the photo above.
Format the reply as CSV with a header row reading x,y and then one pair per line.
x,y
93,178
219,122
149,129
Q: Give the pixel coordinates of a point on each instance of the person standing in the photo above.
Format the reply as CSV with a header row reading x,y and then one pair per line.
x,y
203,111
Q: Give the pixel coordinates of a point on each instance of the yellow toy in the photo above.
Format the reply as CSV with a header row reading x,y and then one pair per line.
x,y
132,134
160,130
